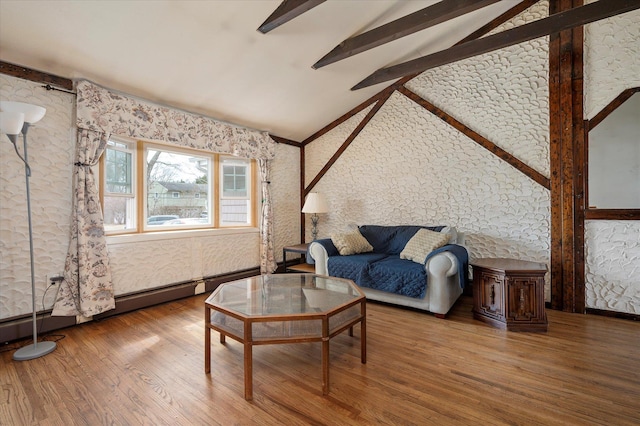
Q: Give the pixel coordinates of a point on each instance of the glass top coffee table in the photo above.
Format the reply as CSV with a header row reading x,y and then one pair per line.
x,y
284,308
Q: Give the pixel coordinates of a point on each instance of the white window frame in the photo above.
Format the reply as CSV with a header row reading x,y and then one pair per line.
x,y
131,207
214,197
249,167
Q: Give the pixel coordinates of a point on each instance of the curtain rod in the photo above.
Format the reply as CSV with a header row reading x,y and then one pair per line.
x,y
50,87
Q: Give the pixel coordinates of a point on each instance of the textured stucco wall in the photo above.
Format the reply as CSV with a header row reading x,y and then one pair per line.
x,y
160,261
612,257
285,187
612,248
611,59
50,150
141,264
409,167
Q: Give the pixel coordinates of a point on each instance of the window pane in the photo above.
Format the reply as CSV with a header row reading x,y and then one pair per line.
x,y
119,213
119,172
119,204
178,193
234,180
235,203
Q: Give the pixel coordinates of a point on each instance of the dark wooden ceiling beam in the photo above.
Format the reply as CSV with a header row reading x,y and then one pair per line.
x,y
287,10
417,21
506,16
33,75
555,23
285,141
509,14
347,142
613,105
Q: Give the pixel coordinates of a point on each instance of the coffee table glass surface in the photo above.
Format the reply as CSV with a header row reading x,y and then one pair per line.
x,y
284,308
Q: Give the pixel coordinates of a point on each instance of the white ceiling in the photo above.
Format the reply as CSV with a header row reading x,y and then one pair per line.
x,y
207,56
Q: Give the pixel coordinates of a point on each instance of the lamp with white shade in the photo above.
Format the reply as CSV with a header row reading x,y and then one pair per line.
x,y
15,118
314,204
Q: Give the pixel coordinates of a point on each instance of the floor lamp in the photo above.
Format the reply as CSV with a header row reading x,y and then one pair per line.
x,y
15,118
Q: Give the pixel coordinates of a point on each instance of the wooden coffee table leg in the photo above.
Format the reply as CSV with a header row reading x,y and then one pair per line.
x,y
363,335
207,340
248,373
325,356
248,362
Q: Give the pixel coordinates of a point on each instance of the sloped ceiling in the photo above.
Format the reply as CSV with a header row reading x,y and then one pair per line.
x,y
207,56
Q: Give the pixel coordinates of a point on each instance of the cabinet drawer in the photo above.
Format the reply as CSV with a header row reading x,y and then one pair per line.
x,y
490,295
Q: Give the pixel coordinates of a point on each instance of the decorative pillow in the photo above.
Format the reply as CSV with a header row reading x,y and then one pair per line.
x,y
423,243
351,243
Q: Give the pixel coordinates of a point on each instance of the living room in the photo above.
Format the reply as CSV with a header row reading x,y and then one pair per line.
x,y
389,161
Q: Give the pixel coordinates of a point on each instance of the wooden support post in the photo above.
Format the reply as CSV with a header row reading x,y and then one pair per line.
x,y
567,164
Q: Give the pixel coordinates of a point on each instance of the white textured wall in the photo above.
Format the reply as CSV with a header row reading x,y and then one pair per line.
x,y
285,187
409,167
50,149
159,261
612,248
137,263
611,59
612,256
503,95
322,149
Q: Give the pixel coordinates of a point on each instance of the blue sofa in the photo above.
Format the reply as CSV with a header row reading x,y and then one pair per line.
x,y
433,285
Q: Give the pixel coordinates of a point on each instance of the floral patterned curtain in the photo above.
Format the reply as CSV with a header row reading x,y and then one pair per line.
x,y
87,288
103,110
267,258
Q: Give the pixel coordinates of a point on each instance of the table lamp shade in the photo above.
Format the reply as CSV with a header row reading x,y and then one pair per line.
x,y
315,203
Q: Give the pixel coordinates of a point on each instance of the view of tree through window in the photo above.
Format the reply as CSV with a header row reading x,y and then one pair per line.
x,y
177,186
174,176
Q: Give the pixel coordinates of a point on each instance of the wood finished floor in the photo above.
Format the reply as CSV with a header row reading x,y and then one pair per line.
x,y
146,367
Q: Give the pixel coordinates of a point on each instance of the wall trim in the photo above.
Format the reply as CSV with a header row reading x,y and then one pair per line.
x,y
613,314
21,327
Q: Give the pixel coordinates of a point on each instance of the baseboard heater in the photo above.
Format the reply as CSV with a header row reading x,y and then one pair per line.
x,y
21,327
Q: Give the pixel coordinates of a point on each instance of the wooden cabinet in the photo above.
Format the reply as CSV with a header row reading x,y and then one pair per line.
x,y
509,293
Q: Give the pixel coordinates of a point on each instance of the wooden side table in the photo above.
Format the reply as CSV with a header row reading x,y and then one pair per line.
x,y
509,293
297,267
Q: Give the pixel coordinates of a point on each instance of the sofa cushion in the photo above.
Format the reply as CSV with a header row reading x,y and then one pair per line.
x,y
351,243
399,276
422,243
381,272
354,267
391,239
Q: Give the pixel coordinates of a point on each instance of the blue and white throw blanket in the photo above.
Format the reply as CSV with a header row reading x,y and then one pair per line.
x,y
387,272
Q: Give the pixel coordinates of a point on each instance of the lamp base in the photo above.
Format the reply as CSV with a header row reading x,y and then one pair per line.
x,y
34,351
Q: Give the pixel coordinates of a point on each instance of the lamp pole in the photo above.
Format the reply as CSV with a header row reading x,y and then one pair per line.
x,y
15,118
34,350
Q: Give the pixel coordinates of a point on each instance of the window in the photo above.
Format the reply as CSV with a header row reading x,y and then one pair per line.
x,y
235,202
149,187
118,199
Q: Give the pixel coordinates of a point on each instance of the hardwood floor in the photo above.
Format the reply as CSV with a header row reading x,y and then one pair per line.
x,y
146,367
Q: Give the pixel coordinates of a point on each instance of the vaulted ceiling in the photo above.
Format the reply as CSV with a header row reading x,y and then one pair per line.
x,y
208,57
288,67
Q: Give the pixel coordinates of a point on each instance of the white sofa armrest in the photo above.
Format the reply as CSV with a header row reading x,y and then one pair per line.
x,y
319,255
443,263
443,287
